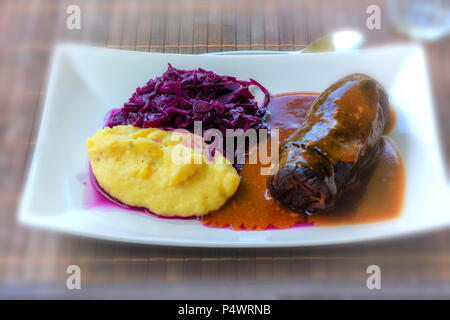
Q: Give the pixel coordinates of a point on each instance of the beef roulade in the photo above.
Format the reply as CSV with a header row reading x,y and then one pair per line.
x,y
337,141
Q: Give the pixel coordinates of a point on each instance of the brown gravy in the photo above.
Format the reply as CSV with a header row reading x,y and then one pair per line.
x,y
377,197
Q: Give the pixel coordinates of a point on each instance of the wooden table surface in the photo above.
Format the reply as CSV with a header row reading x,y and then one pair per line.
x,y
33,263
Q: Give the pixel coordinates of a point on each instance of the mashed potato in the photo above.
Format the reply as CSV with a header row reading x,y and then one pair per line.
x,y
159,170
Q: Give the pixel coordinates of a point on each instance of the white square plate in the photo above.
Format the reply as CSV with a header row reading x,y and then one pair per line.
x,y
85,82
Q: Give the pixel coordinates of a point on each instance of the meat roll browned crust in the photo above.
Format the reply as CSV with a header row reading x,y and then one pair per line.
x,y
334,145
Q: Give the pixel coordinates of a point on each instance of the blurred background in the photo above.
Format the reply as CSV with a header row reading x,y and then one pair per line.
x,y
33,263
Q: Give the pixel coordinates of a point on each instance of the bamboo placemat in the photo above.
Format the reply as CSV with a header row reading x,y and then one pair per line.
x,y
34,262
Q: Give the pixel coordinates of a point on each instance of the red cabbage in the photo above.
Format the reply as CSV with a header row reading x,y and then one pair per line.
x,y
179,97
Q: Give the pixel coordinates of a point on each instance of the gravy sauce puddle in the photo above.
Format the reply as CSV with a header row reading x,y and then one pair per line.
x,y
378,196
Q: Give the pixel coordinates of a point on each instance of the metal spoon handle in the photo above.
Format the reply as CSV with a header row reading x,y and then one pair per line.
x,y
248,52
337,41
